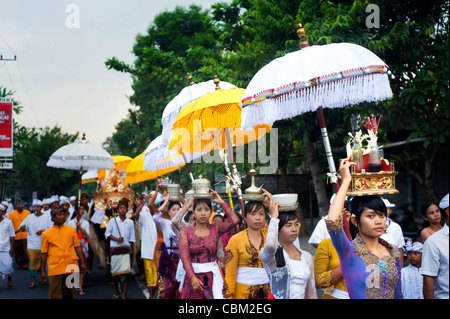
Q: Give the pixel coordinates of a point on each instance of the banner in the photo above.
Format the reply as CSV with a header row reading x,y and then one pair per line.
x,y
6,129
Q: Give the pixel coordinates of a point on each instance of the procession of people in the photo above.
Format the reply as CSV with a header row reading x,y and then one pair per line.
x,y
182,252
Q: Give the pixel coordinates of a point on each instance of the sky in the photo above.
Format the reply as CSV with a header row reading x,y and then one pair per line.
x,y
59,75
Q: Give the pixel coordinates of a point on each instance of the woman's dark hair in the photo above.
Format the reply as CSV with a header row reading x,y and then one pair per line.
x,y
370,201
253,206
205,201
171,204
139,196
188,215
423,210
286,217
359,203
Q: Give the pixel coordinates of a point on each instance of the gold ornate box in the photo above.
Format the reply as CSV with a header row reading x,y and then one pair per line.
x,y
380,183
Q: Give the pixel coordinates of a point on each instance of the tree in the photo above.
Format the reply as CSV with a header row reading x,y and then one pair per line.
x,y
244,35
177,42
32,150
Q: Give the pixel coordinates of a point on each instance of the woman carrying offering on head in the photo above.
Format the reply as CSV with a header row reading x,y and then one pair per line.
x,y
245,276
198,250
290,270
370,266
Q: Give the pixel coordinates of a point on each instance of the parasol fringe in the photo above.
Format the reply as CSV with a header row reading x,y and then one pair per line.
x,y
371,87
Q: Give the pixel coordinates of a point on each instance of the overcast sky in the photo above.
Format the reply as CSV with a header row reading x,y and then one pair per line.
x,y
60,75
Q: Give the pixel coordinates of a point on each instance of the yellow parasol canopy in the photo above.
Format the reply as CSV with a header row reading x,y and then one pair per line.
x,y
135,172
120,163
89,177
199,126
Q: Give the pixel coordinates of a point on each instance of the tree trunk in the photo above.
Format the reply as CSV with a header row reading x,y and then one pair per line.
x,y
283,164
427,180
318,181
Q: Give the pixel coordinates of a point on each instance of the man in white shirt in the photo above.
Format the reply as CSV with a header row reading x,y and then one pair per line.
x,y
35,224
7,234
435,261
149,238
121,235
393,233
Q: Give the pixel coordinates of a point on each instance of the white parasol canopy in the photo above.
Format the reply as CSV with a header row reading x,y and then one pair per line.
x,y
81,155
315,77
328,76
158,158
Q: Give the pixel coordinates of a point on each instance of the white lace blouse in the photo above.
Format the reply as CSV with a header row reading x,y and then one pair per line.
x,y
293,280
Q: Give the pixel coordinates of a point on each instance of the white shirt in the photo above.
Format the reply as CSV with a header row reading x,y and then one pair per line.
x,y
412,283
394,234
170,233
35,224
84,225
302,276
149,234
435,261
6,232
126,229
97,217
320,232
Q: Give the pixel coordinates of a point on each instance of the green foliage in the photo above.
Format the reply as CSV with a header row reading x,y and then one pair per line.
x,y
32,150
234,40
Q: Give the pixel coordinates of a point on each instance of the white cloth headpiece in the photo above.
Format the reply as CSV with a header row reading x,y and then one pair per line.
x,y
443,204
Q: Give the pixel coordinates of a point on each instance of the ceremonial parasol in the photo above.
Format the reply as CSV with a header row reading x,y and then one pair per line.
x,y
217,113
81,155
120,164
313,78
160,160
186,96
89,177
135,173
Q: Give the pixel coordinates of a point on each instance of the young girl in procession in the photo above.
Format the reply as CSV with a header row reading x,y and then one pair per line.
x,y
432,217
169,258
198,250
290,270
245,276
370,266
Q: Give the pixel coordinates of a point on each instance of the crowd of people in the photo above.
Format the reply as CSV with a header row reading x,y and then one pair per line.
x,y
200,248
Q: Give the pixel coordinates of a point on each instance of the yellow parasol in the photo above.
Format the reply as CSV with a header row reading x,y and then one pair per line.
x,y
89,177
120,163
200,125
135,172
213,122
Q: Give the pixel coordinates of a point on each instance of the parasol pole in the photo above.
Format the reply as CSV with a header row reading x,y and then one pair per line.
x,y
301,32
235,172
79,186
187,166
327,145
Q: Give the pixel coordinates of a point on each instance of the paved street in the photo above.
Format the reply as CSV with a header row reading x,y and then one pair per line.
x,y
98,288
